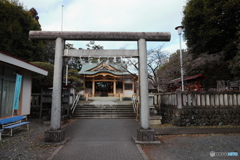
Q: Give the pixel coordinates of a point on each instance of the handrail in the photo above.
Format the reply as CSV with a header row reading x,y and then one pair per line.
x,y
75,102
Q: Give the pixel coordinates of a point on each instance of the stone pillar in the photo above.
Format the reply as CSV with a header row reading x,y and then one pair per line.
x,y
143,77
56,134
179,98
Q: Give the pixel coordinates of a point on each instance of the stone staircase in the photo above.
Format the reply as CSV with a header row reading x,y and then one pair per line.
x,y
97,110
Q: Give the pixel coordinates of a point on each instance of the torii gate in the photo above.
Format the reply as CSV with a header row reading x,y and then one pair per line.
x,y
56,134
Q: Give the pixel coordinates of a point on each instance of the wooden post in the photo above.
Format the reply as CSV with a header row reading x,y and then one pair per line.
x,y
86,96
93,87
120,96
114,87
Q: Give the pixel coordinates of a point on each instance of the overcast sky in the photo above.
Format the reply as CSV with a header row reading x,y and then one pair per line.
x,y
112,15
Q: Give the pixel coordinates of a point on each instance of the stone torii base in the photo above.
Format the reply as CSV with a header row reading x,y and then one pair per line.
x,y
56,134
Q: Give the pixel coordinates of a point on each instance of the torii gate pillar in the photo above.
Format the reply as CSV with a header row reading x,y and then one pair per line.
x,y
56,134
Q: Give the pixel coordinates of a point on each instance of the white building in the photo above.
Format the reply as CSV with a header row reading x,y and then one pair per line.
x,y
10,67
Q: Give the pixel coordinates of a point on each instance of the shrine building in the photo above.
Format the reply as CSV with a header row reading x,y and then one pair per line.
x,y
107,80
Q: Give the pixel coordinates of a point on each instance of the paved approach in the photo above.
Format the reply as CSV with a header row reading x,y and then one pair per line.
x,y
100,139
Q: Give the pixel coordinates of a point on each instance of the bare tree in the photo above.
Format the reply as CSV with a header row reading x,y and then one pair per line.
x,y
93,46
156,59
171,69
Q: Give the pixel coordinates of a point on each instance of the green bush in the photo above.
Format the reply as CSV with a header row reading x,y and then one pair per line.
x,y
38,80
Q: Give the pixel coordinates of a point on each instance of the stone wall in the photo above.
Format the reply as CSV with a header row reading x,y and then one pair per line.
x,y
200,116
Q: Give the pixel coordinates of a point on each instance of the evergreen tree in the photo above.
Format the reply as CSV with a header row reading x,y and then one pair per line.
x,y
15,24
211,26
38,80
235,63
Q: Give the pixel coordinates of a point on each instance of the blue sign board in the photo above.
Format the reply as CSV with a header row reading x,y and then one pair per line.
x,y
17,91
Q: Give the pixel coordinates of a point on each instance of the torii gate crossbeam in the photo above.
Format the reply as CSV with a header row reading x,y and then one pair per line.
x,y
56,134
101,36
101,53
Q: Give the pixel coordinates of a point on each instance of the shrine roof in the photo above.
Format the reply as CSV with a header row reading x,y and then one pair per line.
x,y
95,68
194,77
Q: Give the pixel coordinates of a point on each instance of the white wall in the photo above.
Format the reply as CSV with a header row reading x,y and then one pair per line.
x,y
26,92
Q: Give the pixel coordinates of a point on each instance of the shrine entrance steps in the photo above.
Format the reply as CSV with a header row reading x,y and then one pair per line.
x,y
104,109
103,99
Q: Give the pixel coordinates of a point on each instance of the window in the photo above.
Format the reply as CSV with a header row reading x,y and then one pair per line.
x,y
128,86
7,89
7,98
119,84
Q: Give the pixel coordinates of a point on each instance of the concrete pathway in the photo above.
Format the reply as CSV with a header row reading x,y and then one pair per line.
x,y
100,139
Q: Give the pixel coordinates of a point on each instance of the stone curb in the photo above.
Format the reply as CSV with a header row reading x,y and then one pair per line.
x,y
175,131
146,142
61,143
142,152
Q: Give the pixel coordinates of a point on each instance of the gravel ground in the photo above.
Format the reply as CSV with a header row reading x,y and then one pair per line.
x,y
193,147
27,144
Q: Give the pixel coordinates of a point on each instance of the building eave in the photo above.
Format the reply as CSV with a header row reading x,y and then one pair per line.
x,y
9,59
